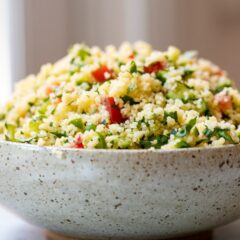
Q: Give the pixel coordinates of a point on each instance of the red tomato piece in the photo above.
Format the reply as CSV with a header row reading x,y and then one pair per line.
x,y
99,74
113,110
131,56
154,67
225,103
48,90
219,73
78,142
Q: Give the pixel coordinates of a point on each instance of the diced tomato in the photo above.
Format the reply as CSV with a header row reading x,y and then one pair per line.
x,y
99,74
219,73
113,110
225,103
78,142
48,90
131,56
58,100
154,67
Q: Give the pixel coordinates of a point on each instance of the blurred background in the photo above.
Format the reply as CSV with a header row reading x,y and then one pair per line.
x,y
34,32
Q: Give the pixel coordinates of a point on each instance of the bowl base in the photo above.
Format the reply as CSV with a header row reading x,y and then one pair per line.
x,y
199,236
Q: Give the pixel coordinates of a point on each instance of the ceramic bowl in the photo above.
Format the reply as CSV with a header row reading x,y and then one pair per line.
x,y
144,194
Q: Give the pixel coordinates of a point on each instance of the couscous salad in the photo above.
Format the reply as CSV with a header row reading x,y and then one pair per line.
x,y
132,97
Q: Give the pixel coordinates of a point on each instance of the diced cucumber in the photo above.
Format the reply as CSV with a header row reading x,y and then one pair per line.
x,y
133,67
130,100
161,76
78,122
91,127
34,126
182,144
102,143
180,92
11,129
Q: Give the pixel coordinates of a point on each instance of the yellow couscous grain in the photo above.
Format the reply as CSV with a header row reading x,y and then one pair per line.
x,y
130,97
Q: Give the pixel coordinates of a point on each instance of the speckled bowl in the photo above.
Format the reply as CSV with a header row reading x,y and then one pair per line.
x,y
144,194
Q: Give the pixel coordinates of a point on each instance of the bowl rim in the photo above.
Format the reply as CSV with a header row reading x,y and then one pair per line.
x,y
94,150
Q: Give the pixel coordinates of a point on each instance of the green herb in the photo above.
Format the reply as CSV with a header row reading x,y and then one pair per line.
x,y
120,64
34,126
145,144
46,99
195,132
77,123
84,85
53,111
124,143
102,143
133,67
27,140
204,140
30,104
139,123
84,78
181,132
7,138
220,87
42,116
83,54
171,115
204,108
161,76
91,127
187,73
224,134
149,142
76,66
218,132
72,72
59,95
182,144
72,60
104,122
44,107
161,140
179,92
11,129
191,124
207,132
127,99
2,116
174,131
59,134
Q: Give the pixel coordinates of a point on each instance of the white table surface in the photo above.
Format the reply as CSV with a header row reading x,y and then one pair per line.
x,y
14,228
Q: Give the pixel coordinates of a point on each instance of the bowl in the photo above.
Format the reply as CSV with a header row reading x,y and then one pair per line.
x,y
102,194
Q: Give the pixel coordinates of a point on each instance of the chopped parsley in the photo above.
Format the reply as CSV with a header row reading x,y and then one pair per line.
x,y
133,67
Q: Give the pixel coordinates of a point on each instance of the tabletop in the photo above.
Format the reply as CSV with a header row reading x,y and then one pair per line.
x,y
14,228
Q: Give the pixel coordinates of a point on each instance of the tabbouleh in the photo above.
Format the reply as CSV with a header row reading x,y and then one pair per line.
x,y
132,97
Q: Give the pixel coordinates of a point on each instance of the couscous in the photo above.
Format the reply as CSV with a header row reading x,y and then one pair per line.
x,y
132,97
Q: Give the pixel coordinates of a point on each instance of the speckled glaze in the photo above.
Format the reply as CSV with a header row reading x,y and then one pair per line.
x,y
144,194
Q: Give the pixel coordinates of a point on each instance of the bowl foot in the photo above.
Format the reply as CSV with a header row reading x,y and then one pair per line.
x,y
55,236
199,236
